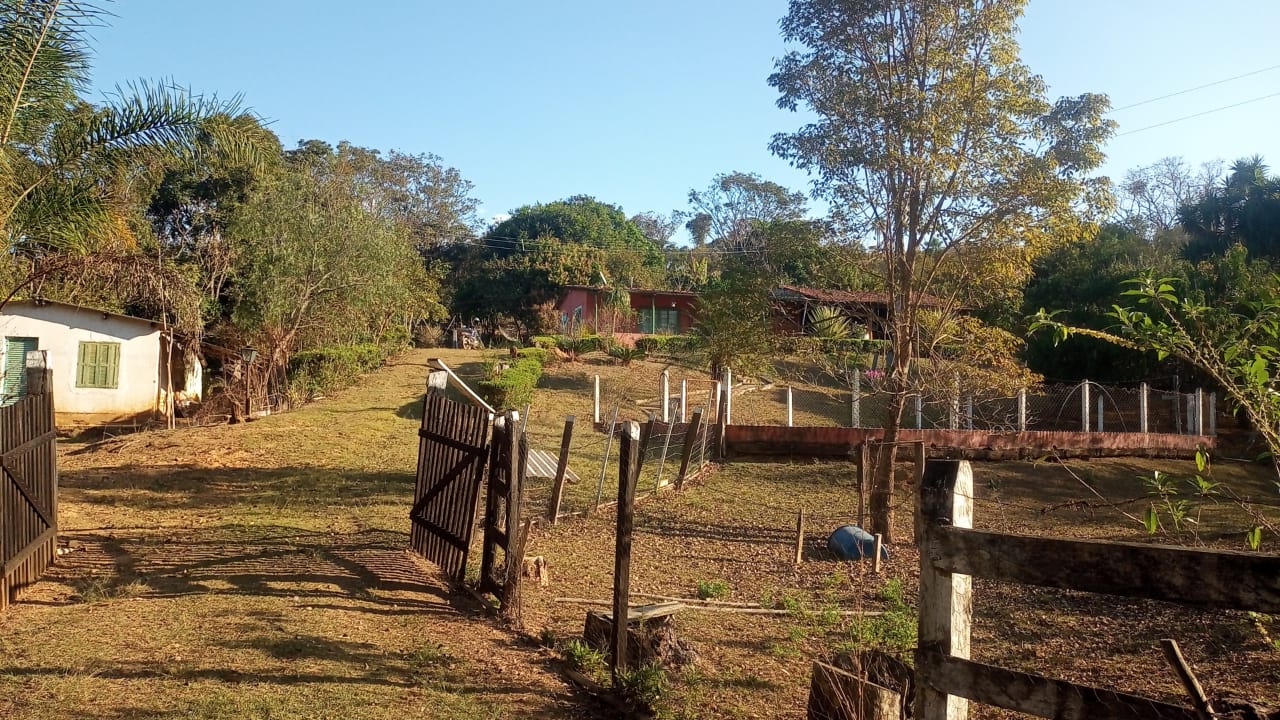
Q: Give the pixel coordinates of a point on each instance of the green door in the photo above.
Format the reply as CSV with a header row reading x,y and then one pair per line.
x,y
14,386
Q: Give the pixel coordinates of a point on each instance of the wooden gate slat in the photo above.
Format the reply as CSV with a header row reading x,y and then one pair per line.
x,y
28,492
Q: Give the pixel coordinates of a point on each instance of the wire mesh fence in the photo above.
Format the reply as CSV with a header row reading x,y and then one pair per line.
x,y
1082,407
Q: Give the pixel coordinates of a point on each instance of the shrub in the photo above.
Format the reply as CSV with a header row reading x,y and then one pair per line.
x,y
668,344
546,341
709,589
428,335
317,372
542,355
514,386
625,355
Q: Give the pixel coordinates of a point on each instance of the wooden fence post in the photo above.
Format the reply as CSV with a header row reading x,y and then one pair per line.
x,y
691,432
512,604
595,400
946,599
562,467
864,481
882,494
800,536
437,381
1143,393
628,470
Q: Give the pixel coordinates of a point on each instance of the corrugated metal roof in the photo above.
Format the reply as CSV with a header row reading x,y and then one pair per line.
x,y
542,464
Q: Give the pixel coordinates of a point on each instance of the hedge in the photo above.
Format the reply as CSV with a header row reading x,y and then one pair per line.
x,y
668,344
317,372
513,387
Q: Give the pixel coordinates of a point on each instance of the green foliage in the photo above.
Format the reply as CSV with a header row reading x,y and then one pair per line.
x,y
734,203
669,344
546,341
1243,210
712,589
735,321
322,371
644,685
542,355
829,323
625,355
513,387
585,659
894,631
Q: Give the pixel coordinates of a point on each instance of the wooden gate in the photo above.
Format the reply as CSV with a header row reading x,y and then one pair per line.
x,y
503,497
28,490
452,449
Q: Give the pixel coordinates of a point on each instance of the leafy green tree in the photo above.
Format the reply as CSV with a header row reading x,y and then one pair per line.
x,y
699,227
522,263
1083,279
932,136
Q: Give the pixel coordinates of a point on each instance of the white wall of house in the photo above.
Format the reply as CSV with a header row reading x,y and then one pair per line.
x,y
61,328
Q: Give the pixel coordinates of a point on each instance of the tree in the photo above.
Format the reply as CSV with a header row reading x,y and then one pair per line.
x,y
1083,278
657,227
734,202
699,227
1244,208
932,136
1151,196
523,263
67,166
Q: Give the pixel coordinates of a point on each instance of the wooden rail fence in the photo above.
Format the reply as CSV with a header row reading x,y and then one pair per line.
x,y
28,490
952,553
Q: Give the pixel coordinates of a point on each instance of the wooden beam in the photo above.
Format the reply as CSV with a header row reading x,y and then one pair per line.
x,y
691,433
946,598
628,472
1036,695
1190,576
562,467
438,364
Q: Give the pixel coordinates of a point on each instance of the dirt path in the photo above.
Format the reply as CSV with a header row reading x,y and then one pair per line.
x,y
259,570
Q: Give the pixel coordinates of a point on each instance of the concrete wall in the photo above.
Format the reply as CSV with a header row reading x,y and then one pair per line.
x,y
61,329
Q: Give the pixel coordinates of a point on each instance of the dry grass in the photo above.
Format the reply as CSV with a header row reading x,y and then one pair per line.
x,y
258,571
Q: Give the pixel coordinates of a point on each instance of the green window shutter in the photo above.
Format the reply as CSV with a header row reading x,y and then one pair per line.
x,y
99,365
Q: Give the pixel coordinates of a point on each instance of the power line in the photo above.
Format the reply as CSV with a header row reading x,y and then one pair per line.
x,y
1199,114
1193,89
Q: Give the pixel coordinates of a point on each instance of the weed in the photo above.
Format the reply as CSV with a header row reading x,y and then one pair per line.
x,y
548,637
644,685
431,656
712,589
893,631
584,658
95,588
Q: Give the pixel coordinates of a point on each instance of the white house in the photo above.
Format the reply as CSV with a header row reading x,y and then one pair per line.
x,y
106,367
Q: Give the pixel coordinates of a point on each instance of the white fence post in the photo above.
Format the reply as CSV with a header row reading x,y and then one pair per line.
x,y
595,401
684,399
715,405
790,409
1100,413
1085,406
1143,393
968,412
1200,411
664,389
728,396
953,422
1022,409
919,411
946,599
856,417
1191,412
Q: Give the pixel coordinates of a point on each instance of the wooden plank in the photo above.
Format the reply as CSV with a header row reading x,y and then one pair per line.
x,y
562,466
29,445
438,364
1190,576
695,426
1035,694
628,472
14,563
946,599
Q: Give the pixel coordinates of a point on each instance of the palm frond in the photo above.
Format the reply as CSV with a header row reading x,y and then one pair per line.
x,y
44,58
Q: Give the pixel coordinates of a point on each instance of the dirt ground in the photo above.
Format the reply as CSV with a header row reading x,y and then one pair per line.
x,y
259,570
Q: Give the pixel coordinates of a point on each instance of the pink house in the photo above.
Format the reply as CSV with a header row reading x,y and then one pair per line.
x,y
653,312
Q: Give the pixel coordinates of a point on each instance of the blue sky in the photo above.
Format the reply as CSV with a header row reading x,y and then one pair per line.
x,y
637,102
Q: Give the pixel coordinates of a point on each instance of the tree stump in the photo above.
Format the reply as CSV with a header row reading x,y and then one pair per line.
x,y
651,635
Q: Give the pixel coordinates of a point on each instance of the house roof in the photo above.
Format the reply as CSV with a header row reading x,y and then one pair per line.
x,y
844,297
43,302
635,291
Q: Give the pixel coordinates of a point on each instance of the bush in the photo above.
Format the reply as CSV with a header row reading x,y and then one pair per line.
x,y
542,355
668,344
513,387
428,335
317,372
546,342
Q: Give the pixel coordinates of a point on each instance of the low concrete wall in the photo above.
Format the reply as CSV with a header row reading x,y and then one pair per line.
x,y
839,442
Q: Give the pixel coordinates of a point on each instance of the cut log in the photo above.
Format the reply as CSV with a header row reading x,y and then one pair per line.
x,y
651,636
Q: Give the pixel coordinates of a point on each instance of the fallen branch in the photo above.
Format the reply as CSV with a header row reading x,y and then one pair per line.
x,y
1173,654
720,608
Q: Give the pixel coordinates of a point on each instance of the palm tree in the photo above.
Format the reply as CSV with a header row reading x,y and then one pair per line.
x,y
66,164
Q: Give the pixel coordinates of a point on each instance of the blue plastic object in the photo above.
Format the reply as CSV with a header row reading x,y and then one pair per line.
x,y
850,542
